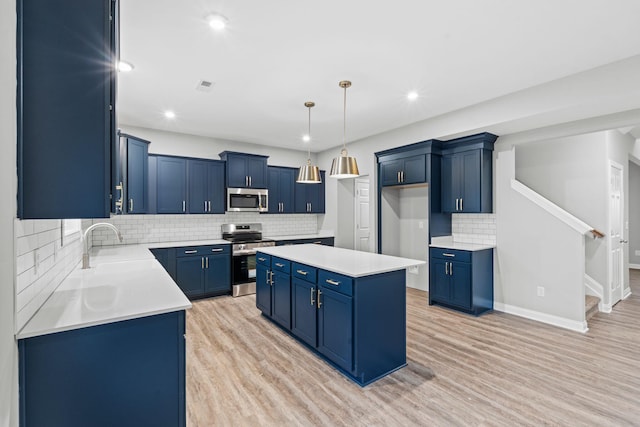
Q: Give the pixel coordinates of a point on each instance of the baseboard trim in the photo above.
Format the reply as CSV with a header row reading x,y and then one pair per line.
x,y
606,308
550,319
627,293
635,266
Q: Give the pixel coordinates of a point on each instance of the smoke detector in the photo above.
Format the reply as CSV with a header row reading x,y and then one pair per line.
x,y
204,85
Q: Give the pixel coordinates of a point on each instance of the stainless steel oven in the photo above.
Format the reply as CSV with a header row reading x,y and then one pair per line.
x,y
246,239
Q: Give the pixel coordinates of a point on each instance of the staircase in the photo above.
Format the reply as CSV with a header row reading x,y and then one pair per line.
x,y
591,306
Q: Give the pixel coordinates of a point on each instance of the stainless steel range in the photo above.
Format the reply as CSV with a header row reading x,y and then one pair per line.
x,y
246,239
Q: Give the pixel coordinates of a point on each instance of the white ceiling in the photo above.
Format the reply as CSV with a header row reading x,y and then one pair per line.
x,y
277,54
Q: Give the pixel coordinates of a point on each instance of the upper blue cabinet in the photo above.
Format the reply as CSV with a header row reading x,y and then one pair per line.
x,y
245,170
403,171
205,186
310,198
132,188
66,58
281,194
467,174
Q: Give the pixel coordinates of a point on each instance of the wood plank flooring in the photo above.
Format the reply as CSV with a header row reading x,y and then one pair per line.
x,y
495,370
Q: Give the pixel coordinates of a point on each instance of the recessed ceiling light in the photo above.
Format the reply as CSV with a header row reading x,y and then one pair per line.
x,y
412,96
125,66
170,114
306,138
217,21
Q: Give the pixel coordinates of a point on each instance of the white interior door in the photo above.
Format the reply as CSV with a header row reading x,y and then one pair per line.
x,y
361,209
616,234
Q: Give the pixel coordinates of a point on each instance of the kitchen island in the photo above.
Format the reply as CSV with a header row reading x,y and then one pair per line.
x,y
347,306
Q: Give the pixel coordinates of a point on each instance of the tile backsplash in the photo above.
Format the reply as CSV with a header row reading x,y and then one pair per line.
x,y
43,260
169,228
474,228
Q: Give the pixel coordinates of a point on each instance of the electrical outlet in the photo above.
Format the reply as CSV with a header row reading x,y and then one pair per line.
x,y
413,269
421,225
540,291
637,253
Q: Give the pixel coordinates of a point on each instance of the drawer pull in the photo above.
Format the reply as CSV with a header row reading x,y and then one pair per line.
x,y
217,250
195,251
450,255
446,268
332,282
319,242
319,302
304,273
262,259
313,301
279,265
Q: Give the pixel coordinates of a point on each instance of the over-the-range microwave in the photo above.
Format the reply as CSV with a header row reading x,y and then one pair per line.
x,y
247,199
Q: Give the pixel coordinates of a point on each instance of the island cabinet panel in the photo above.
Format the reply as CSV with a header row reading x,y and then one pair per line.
x,y
128,373
281,291
461,280
357,324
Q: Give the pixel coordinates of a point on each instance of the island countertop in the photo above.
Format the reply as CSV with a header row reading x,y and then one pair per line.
x,y
344,261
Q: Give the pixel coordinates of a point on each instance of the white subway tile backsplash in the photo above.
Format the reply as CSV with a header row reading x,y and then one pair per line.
x,y
474,228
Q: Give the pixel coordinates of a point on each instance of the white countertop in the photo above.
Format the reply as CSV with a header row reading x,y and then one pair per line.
x,y
320,235
447,242
344,261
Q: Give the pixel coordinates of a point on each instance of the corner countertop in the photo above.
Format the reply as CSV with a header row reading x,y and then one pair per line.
x,y
344,261
446,242
319,235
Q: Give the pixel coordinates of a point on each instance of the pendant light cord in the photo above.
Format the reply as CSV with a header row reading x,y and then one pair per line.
x,y
309,133
344,121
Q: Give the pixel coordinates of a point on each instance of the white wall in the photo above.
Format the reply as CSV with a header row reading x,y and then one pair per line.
x,y
8,349
180,144
634,214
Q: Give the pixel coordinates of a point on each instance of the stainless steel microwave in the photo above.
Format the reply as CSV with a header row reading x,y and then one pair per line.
x,y
247,199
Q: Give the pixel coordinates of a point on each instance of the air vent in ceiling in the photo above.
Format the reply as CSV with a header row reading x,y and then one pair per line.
x,y
204,85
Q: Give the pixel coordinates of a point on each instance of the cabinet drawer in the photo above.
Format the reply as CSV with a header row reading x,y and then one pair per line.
x,y
305,272
451,254
203,250
263,259
336,282
279,264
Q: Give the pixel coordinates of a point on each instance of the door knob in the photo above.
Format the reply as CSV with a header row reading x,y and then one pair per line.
x,y
624,241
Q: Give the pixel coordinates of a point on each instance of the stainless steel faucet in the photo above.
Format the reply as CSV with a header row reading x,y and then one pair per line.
x,y
85,243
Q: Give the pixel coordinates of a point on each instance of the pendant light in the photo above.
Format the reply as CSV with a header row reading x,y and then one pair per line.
x,y
309,174
344,166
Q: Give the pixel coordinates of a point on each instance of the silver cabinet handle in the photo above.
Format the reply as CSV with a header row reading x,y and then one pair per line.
x,y
202,263
398,177
450,269
207,262
457,201
446,268
317,243
313,301
246,181
130,205
401,176
267,277
461,208
319,303
262,259
449,255
195,251
310,206
279,265
271,274
217,250
205,205
250,185
332,282
184,206
304,273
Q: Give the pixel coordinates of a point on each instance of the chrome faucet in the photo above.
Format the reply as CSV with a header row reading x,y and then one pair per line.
x,y
85,243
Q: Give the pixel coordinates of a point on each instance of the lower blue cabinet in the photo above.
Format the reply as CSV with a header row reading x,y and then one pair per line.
x,y
128,373
335,326
203,271
273,288
263,284
304,310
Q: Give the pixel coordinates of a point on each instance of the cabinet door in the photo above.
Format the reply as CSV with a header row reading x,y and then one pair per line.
x,y
300,199
449,194
189,275
335,327
281,299
216,187
470,180
263,289
389,172
415,169
198,195
237,171
137,172
439,280
66,122
274,189
316,195
217,276
303,311
171,185
287,179
257,170
460,293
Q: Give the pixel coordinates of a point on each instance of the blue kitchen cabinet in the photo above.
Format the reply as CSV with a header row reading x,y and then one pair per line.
x,y
205,186
467,174
461,280
66,85
335,318
128,373
263,284
203,271
133,182
281,189
171,184
310,198
403,171
303,307
245,170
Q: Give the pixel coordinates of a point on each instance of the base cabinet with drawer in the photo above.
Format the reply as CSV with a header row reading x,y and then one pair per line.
x,y
203,271
273,288
339,317
461,280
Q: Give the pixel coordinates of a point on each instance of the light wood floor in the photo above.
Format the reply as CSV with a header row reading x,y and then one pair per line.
x,y
495,370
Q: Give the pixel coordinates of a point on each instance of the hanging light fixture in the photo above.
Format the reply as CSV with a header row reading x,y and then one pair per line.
x,y
309,174
344,166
